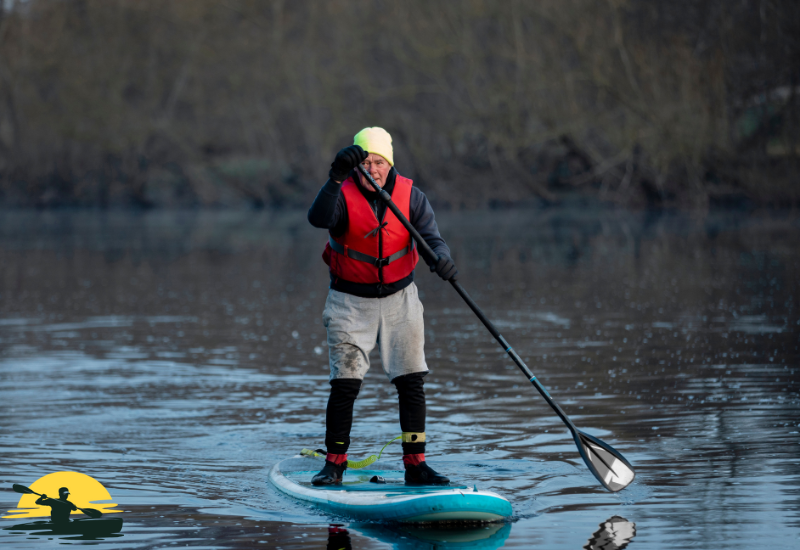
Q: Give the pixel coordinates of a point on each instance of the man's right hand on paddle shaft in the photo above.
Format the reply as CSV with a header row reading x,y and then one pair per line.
x,y
445,268
346,160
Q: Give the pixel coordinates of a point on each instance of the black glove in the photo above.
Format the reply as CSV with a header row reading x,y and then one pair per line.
x,y
445,268
346,159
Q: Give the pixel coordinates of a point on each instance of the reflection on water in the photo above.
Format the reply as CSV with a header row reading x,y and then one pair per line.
x,y
432,537
614,534
175,357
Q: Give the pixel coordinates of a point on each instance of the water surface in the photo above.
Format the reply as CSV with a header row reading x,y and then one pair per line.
x,y
175,357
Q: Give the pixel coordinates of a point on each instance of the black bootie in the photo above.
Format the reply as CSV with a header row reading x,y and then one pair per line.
x,y
422,474
331,474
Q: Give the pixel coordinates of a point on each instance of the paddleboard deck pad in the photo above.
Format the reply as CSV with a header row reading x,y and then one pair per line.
x,y
359,498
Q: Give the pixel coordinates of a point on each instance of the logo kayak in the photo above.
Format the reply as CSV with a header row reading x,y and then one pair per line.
x,y
84,493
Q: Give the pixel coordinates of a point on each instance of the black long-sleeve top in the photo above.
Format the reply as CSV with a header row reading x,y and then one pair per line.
x,y
329,211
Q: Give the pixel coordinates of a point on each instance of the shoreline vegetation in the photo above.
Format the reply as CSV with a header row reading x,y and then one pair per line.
x,y
689,104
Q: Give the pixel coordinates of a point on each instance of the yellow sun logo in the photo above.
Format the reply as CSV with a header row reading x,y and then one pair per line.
x,y
84,492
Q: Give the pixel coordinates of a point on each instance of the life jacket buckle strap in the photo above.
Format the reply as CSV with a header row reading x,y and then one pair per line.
x,y
361,257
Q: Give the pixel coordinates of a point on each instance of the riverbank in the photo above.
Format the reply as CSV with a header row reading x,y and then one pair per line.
x,y
567,179
191,103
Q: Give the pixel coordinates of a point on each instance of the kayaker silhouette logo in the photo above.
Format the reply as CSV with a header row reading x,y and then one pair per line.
x,y
63,494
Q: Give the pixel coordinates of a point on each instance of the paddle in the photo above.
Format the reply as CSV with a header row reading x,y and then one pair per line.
x,y
604,461
91,512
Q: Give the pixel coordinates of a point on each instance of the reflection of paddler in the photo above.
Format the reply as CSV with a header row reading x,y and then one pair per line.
x,y
338,538
60,507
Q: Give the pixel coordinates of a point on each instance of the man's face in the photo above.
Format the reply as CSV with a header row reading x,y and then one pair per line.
x,y
378,167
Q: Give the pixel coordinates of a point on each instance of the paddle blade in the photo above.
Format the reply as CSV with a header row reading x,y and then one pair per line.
x,y
91,512
606,463
24,490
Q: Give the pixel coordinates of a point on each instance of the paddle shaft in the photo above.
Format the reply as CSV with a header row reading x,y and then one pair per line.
x,y
431,258
25,490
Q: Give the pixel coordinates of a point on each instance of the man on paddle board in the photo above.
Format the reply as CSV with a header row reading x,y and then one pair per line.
x,y
60,508
372,297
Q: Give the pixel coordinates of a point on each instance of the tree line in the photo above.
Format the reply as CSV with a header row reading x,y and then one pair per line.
x,y
688,103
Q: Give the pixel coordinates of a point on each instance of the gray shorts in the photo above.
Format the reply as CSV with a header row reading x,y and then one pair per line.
x,y
356,324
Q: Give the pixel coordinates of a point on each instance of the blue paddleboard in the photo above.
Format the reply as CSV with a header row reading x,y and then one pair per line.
x,y
359,498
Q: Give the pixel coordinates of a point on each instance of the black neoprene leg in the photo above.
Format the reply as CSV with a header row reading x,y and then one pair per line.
x,y
412,407
339,417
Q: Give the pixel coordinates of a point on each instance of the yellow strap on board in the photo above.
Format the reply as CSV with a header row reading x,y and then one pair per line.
x,y
356,464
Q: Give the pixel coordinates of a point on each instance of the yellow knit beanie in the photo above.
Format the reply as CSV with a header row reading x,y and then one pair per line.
x,y
376,140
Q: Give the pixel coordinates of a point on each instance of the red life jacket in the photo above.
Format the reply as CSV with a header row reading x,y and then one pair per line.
x,y
370,252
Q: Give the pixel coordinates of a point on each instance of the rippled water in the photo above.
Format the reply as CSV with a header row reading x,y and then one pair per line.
x,y
175,357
